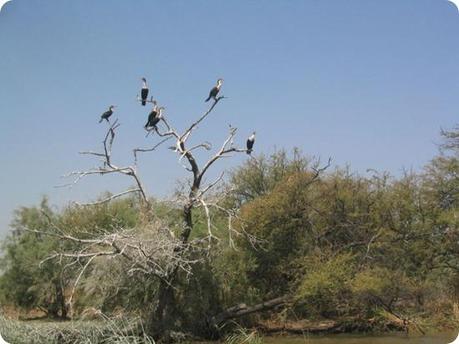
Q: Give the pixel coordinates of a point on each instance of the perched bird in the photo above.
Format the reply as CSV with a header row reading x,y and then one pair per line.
x,y
214,91
152,116
107,114
250,142
154,120
144,91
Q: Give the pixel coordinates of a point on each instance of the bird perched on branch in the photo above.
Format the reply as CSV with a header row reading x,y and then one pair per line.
x,y
250,142
214,91
144,92
154,118
107,114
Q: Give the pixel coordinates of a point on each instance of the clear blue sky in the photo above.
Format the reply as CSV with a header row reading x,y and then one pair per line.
x,y
369,83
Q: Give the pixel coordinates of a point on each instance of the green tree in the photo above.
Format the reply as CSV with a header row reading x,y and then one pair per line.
x,y
29,280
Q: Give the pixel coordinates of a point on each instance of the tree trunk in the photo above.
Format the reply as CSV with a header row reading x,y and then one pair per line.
x,y
60,300
242,309
162,320
164,316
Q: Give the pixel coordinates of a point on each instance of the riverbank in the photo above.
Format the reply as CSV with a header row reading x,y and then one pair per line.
x,y
130,330
394,338
269,332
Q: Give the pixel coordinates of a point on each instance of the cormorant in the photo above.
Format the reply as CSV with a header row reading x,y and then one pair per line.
x,y
144,92
250,142
107,114
153,114
214,91
154,120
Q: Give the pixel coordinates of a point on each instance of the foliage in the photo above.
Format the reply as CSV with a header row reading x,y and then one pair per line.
x,y
27,281
257,177
30,280
325,286
369,247
345,244
381,286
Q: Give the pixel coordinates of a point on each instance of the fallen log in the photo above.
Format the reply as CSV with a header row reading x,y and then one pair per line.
x,y
298,327
242,309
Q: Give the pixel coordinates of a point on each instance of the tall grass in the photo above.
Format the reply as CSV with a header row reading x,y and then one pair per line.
x,y
104,331
244,336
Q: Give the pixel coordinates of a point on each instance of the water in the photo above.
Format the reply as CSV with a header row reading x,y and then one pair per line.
x,y
443,338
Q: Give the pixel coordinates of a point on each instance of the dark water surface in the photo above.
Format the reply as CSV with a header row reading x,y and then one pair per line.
x,y
443,338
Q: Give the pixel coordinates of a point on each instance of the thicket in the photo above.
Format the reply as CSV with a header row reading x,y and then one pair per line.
x,y
339,244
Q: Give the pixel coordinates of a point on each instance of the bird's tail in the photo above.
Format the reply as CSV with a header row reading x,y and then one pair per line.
x,y
144,102
208,99
100,120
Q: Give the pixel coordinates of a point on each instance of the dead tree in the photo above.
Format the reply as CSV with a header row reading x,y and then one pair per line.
x,y
157,251
196,197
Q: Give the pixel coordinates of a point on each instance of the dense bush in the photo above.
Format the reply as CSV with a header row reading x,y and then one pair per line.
x,y
341,244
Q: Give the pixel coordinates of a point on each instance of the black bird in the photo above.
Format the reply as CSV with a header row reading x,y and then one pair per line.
x,y
144,91
107,114
154,118
153,114
214,91
250,142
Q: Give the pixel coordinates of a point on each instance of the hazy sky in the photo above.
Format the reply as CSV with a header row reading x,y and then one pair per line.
x,y
367,82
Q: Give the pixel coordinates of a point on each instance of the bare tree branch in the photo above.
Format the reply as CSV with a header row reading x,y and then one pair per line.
x,y
108,199
153,248
137,150
108,167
